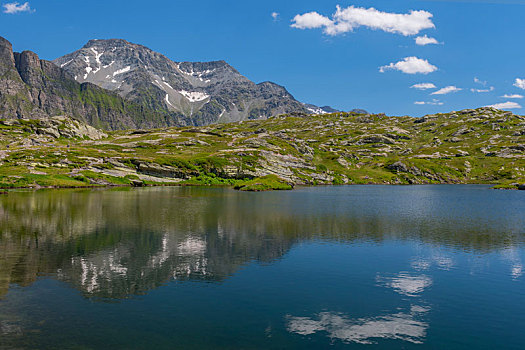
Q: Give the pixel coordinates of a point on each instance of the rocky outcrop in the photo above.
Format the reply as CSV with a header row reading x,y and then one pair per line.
x,y
375,139
283,166
59,126
157,170
398,167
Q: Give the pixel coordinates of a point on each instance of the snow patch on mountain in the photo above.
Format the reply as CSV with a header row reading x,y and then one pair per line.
x,y
66,63
315,111
198,74
88,70
168,100
122,71
97,55
194,96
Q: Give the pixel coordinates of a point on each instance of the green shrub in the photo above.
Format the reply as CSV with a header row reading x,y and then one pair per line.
x,y
265,183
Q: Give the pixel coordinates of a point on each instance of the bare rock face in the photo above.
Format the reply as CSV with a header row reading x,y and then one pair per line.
x,y
7,61
28,65
10,83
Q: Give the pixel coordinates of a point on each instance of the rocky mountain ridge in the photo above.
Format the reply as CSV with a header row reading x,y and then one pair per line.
x,y
197,93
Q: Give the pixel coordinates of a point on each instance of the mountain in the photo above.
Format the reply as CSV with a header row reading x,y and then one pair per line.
x,y
197,93
114,84
33,88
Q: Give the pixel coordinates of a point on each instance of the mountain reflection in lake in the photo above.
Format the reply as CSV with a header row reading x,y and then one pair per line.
x,y
314,267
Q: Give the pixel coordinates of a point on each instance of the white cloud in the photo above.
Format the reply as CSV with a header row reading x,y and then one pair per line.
x,y
512,96
275,15
483,90
423,86
506,105
425,40
520,83
434,102
15,7
477,81
347,19
410,65
446,90
311,20
484,83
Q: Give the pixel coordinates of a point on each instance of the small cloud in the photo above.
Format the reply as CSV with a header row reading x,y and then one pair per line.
x,y
410,65
423,86
446,90
483,90
512,96
347,19
506,105
434,102
15,7
481,82
425,40
311,20
275,15
520,83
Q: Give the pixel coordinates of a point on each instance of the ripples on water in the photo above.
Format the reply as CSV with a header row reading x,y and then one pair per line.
x,y
431,266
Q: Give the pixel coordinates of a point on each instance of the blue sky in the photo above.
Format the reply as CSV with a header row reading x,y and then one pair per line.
x,y
319,58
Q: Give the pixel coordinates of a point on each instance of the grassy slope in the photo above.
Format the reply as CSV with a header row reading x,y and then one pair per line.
x,y
473,146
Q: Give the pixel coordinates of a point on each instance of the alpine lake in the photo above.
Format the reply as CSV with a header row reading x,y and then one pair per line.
x,y
336,267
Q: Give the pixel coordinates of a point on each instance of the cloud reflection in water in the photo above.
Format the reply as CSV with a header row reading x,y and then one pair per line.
x,y
401,326
406,284
441,261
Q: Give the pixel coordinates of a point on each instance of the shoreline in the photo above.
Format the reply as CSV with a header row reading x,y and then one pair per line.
x,y
6,190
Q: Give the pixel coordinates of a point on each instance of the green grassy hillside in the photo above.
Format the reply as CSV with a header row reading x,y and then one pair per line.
x,y
471,146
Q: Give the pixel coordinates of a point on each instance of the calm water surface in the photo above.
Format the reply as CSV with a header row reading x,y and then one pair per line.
x,y
438,267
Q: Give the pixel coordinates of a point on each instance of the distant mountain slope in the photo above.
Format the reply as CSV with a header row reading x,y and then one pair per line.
x,y
198,93
34,88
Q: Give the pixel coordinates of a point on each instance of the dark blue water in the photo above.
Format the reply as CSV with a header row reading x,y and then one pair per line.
x,y
438,267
